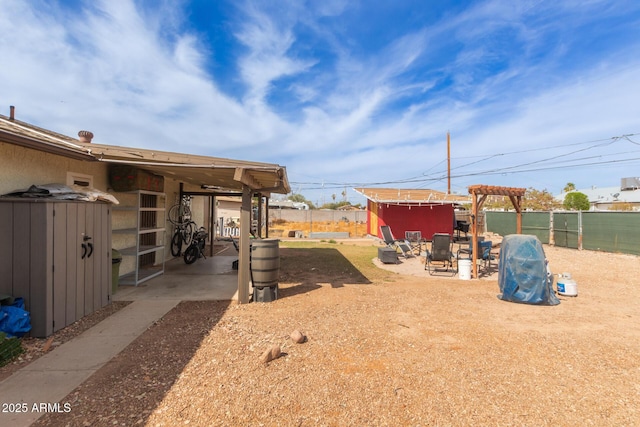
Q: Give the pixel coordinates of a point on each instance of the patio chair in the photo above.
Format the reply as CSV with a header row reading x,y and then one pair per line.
x,y
391,242
462,226
484,247
414,238
441,252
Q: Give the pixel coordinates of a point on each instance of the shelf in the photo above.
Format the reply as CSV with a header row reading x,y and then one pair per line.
x,y
137,251
144,274
147,236
151,230
140,231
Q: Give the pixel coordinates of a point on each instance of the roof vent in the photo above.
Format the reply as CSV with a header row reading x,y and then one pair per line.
x,y
85,136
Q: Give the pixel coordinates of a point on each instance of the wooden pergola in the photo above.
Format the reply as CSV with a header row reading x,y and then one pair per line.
x,y
479,194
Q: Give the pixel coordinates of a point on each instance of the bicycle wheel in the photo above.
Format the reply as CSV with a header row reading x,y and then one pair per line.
x,y
191,254
176,243
179,214
187,232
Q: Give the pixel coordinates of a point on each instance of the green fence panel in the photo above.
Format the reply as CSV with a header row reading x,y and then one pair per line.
x,y
611,231
536,224
501,223
601,231
533,223
565,229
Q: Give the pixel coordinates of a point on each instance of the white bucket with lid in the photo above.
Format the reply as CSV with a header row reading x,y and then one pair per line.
x,y
566,285
464,269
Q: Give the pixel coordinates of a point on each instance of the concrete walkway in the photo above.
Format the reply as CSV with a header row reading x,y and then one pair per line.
x,y
44,383
41,385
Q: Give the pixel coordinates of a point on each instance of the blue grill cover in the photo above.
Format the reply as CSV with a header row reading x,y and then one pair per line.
x,y
522,273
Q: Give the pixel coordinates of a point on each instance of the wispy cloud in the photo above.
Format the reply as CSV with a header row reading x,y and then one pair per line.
x,y
329,96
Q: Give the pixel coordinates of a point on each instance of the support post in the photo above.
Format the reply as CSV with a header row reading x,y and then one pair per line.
x,y
266,218
448,163
260,213
244,260
474,236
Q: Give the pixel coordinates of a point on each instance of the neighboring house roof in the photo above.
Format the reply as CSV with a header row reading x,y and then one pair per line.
x,y
606,195
288,204
226,174
411,196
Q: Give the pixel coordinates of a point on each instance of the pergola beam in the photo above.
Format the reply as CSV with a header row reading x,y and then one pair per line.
x,y
479,195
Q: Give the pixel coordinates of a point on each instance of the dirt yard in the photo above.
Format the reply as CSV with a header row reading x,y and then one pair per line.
x,y
383,348
283,228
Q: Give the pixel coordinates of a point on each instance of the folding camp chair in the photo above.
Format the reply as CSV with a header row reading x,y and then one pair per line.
x,y
484,248
414,238
441,252
391,242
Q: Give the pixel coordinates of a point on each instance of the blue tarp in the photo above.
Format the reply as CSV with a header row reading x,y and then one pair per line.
x,y
14,319
522,275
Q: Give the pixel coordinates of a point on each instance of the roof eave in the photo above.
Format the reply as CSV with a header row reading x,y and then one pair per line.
x,y
44,146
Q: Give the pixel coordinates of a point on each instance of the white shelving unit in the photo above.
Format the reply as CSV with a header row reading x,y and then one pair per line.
x,y
149,233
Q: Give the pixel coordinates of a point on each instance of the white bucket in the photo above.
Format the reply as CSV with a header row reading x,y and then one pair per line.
x,y
567,286
464,269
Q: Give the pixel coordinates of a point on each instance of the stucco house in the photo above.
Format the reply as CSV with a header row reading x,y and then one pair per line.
x,y
155,180
623,197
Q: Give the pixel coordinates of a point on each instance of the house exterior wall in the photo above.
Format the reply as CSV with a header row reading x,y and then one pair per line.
x,y
428,219
22,167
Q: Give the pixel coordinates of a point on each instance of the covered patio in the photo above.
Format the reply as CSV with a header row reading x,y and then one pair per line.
x,y
212,278
210,176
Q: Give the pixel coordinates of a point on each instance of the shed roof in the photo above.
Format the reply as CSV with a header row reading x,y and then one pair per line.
x,y
226,174
411,196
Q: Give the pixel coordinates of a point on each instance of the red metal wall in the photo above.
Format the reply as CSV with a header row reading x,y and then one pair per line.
x,y
426,219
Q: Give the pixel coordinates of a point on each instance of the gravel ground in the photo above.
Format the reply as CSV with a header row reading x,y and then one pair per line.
x,y
36,347
405,349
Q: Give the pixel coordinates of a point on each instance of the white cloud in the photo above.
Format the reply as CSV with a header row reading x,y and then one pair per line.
x,y
136,77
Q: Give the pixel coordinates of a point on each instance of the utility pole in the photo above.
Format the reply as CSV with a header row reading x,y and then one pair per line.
x,y
448,163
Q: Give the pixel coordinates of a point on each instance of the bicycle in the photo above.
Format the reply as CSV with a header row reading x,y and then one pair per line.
x,y
180,216
196,247
179,213
182,236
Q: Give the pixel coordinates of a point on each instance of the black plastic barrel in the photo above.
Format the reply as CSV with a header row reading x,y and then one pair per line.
x,y
116,259
265,262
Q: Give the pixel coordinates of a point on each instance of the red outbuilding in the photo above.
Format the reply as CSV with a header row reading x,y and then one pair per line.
x,y
427,211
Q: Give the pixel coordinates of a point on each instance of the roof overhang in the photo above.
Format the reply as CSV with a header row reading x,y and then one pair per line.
x,y
77,153
411,196
200,171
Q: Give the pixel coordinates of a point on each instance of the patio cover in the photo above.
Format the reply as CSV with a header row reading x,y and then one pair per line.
x,y
224,175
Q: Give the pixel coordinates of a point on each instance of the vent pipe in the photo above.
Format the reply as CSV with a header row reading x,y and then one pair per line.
x,y
85,136
12,112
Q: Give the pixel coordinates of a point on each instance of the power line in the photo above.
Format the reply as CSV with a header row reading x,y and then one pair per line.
x,y
435,177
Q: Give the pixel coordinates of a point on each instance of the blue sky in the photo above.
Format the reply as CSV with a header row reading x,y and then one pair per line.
x,y
534,93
